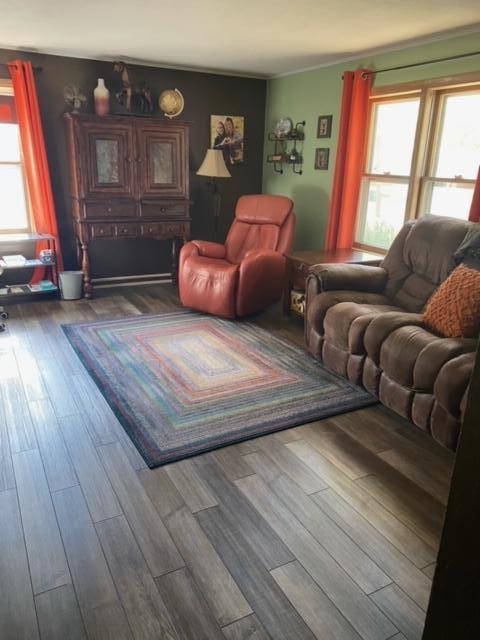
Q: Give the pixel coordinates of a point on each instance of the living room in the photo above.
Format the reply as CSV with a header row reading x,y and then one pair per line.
x,y
240,298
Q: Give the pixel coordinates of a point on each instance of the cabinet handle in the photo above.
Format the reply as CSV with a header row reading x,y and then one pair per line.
x,y
109,209
163,209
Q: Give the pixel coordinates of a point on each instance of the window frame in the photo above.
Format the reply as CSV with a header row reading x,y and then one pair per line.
x,y
6,89
431,93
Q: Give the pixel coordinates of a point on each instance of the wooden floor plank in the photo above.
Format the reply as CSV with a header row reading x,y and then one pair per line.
x,y
290,464
267,600
59,615
352,602
56,461
102,612
395,564
318,611
215,582
409,503
99,495
359,566
17,415
193,489
434,478
30,375
48,565
429,571
243,517
93,406
217,585
58,384
143,604
403,612
153,538
17,609
191,616
419,552
230,460
7,476
249,628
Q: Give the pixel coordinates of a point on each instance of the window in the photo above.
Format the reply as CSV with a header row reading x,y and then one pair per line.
x,y
422,158
14,215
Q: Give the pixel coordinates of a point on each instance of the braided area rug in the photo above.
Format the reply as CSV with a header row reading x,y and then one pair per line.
x,y
184,383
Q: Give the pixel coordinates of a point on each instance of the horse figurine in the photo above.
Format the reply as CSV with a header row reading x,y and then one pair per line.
x,y
135,98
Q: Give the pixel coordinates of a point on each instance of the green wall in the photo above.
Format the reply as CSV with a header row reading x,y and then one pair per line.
x,y
306,95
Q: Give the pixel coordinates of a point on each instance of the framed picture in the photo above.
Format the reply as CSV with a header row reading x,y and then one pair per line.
x,y
324,126
321,159
227,134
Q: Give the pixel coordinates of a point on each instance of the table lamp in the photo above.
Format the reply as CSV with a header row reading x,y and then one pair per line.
x,y
213,166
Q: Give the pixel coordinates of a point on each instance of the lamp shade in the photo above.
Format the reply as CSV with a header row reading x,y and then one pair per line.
x,y
213,165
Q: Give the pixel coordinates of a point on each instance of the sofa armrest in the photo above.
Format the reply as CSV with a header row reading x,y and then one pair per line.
x,y
351,277
210,249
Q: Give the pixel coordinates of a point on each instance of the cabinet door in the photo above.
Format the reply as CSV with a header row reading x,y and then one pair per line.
x,y
108,159
163,161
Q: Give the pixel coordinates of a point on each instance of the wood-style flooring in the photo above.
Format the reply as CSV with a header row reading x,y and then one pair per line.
x,y
329,530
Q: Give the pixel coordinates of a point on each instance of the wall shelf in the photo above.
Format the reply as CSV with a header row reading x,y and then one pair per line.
x,y
283,155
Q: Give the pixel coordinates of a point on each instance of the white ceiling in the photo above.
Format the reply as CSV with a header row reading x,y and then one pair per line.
x,y
255,37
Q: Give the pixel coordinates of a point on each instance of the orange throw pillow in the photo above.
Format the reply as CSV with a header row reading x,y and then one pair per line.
x,y
453,311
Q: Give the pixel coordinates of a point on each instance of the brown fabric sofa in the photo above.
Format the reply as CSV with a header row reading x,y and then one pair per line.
x,y
365,323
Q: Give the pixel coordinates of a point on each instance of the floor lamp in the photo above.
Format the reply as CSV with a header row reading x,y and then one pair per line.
x,y
213,166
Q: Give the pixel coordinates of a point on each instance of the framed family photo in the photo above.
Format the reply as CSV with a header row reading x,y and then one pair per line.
x,y
324,126
321,159
227,133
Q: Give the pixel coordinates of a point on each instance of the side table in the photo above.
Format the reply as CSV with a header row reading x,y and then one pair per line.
x,y
298,264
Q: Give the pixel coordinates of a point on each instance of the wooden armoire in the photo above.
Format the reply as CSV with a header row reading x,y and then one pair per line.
x,y
129,179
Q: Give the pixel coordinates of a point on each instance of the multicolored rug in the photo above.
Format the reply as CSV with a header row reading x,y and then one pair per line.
x,y
183,383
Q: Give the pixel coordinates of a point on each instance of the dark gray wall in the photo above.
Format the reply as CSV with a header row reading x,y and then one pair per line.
x,y
204,94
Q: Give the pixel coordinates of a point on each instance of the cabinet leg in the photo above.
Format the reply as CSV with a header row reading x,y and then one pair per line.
x,y
87,285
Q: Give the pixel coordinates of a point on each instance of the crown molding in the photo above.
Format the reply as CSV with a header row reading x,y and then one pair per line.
x,y
399,46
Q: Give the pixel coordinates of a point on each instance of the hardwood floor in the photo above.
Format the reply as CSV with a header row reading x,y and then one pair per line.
x,y
329,530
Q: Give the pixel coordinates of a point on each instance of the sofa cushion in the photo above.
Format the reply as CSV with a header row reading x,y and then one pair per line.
x,y
434,356
382,326
318,307
454,309
400,350
421,257
345,324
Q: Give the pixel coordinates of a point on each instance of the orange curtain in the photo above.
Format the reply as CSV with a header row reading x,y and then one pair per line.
x,y
475,208
350,158
35,164
7,110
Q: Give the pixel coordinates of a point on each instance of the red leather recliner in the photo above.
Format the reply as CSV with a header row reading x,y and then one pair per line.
x,y
246,274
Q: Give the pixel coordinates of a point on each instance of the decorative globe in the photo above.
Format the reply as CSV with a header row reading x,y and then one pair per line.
x,y
171,102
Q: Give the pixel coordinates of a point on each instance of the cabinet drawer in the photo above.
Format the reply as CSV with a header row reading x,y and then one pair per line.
x,y
163,229
164,210
127,230
110,209
102,230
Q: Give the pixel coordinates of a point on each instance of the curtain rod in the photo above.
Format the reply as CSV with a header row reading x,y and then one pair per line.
x,y
420,64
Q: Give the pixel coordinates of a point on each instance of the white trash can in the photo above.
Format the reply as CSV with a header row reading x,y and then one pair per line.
x,y
71,284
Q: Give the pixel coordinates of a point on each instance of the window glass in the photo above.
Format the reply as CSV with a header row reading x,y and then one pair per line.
x,y
393,136
13,207
382,212
458,147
